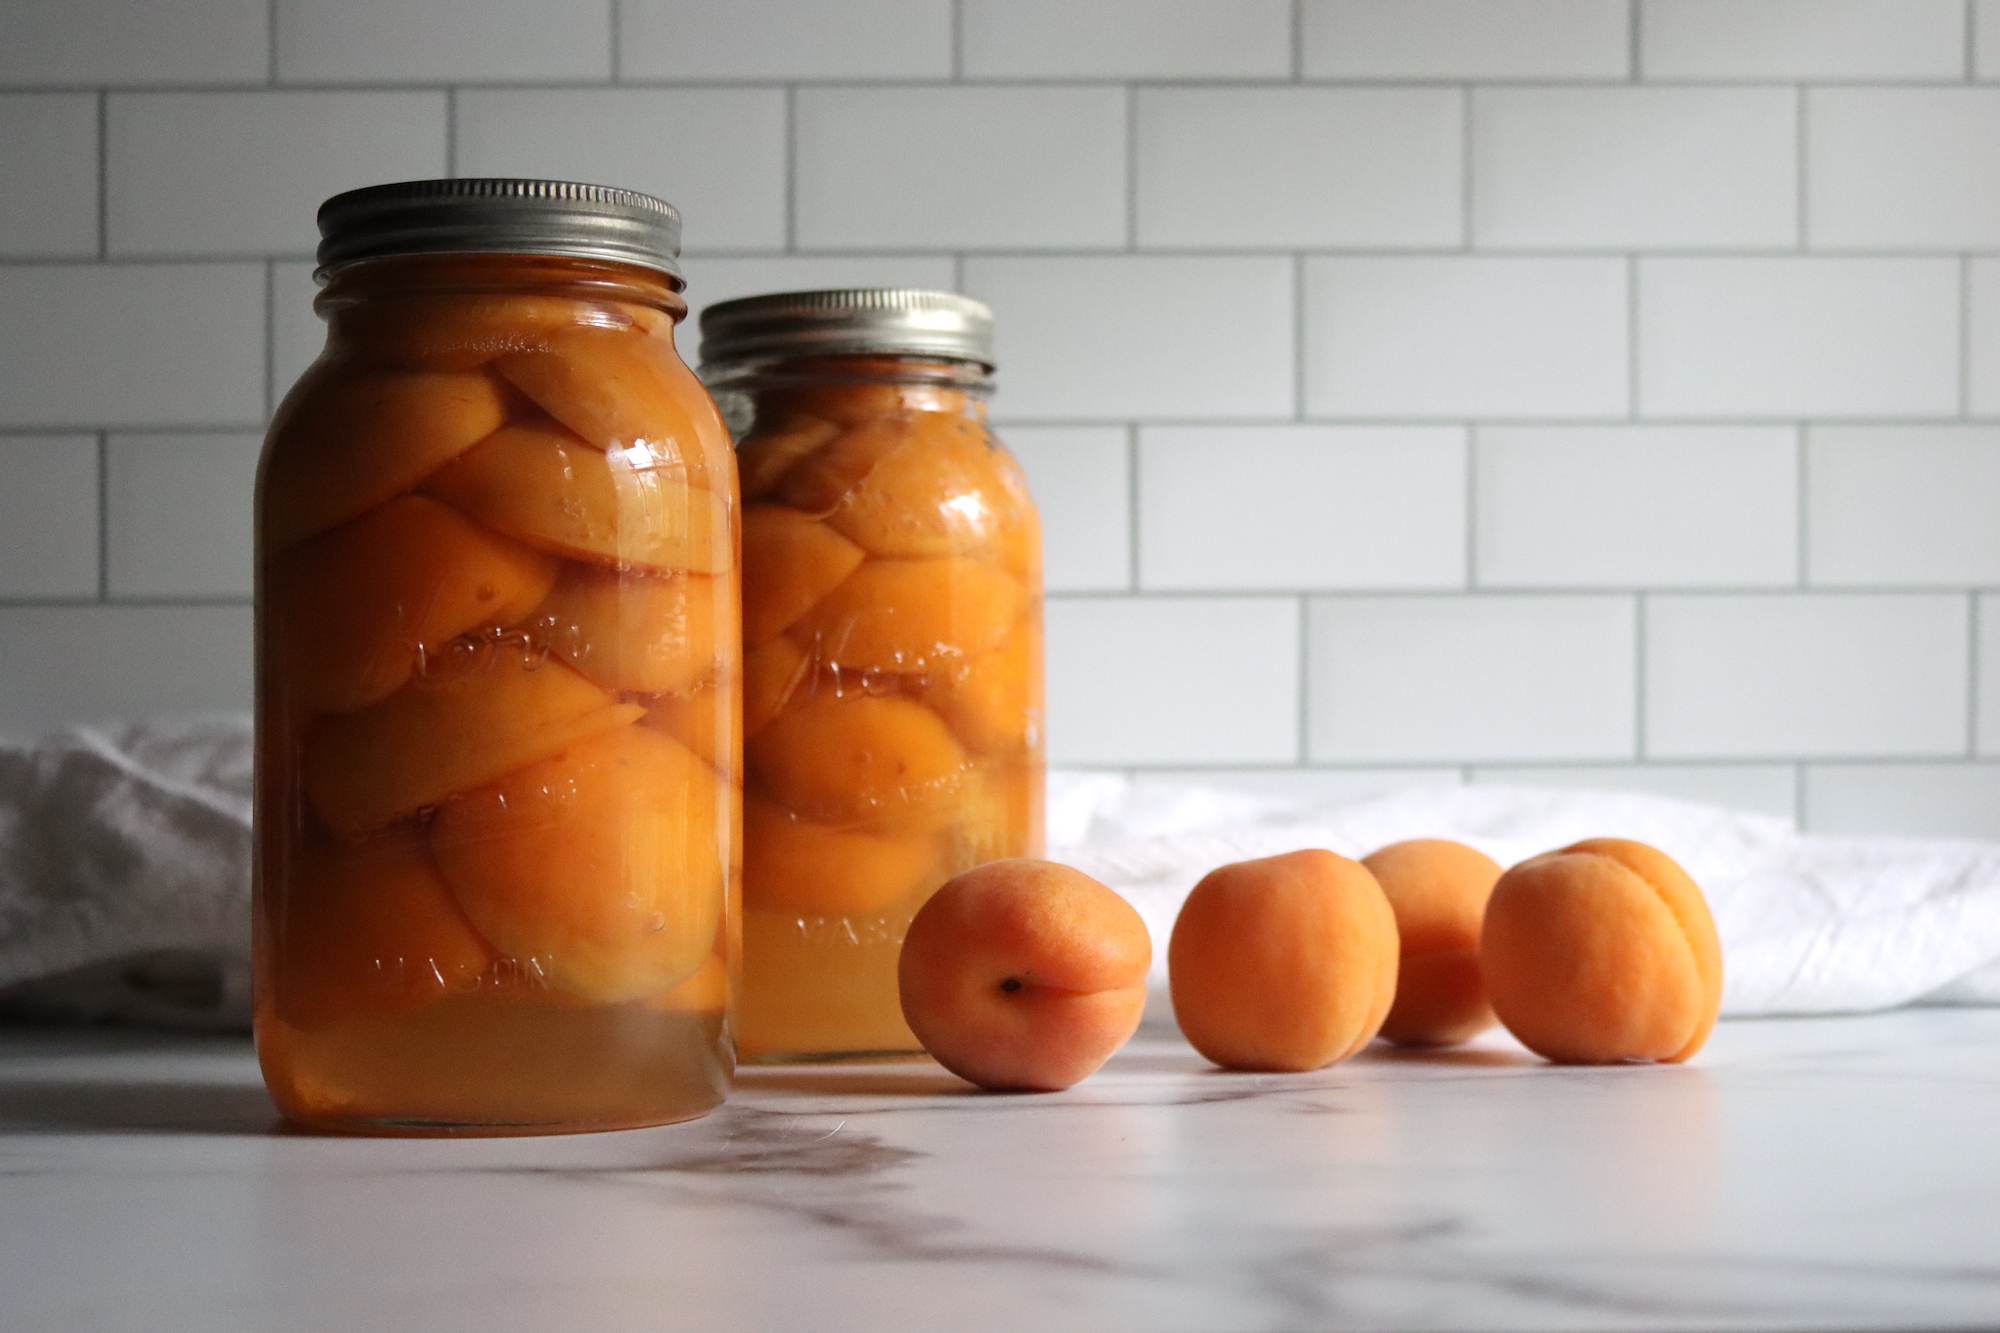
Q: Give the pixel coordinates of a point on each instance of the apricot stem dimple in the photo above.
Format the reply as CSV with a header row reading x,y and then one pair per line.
x,y
1011,984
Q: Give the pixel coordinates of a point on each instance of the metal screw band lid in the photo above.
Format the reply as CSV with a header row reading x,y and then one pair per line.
x,y
884,320
499,215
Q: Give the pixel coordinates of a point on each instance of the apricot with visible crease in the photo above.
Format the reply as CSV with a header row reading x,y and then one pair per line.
x,y
1438,890
1284,963
765,457
1602,951
1024,975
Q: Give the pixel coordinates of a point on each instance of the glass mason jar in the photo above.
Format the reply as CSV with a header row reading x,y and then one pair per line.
x,y
892,629
498,674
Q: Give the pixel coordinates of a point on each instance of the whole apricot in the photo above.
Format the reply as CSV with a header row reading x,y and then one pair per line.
x,y
1602,951
1285,963
1024,974
1438,890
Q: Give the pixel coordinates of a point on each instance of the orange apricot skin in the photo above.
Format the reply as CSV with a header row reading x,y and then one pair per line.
x,y
1602,951
1285,963
1438,890
790,561
1024,975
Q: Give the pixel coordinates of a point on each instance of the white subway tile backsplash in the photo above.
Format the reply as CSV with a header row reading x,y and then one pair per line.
x,y
1120,336
48,157
1421,350
244,172
1466,39
132,345
74,664
947,168
1127,39
1802,39
1301,507
1081,479
1817,676
48,516
1765,789
1635,506
1465,337
717,154
1909,505
714,278
52,42
1666,167
1904,800
1910,168
177,514
785,39
1815,337
1470,679
1169,680
1287,167
393,41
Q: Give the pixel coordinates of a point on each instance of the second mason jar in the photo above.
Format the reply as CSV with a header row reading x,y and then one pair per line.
x,y
892,628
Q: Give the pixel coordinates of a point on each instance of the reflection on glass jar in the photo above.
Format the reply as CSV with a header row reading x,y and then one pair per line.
x,y
892,628
498,678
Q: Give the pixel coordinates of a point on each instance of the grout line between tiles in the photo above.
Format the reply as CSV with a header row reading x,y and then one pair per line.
x,y
957,40
451,133
271,43
270,339
1466,134
617,40
1632,362
1632,54
1298,36
1971,40
1299,366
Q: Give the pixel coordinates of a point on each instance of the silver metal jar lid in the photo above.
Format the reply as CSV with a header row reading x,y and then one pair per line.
x,y
885,320
499,215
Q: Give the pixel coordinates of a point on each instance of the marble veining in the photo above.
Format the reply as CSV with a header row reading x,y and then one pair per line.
x,y
1838,1173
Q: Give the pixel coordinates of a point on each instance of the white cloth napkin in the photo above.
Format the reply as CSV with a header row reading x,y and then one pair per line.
x,y
125,876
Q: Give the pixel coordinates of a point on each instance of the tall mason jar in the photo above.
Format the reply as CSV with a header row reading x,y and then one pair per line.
x,y
498,675
892,628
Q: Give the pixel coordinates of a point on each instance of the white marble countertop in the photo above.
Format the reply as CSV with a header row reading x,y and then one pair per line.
x,y
1801,1174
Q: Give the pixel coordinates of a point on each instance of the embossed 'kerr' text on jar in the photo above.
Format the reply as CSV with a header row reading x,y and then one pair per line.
x,y
498,677
892,629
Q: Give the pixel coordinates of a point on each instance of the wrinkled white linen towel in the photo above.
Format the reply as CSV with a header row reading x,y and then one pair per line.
x,y
125,875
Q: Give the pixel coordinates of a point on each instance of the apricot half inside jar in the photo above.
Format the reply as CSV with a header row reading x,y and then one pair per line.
x,y
500,677
892,703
